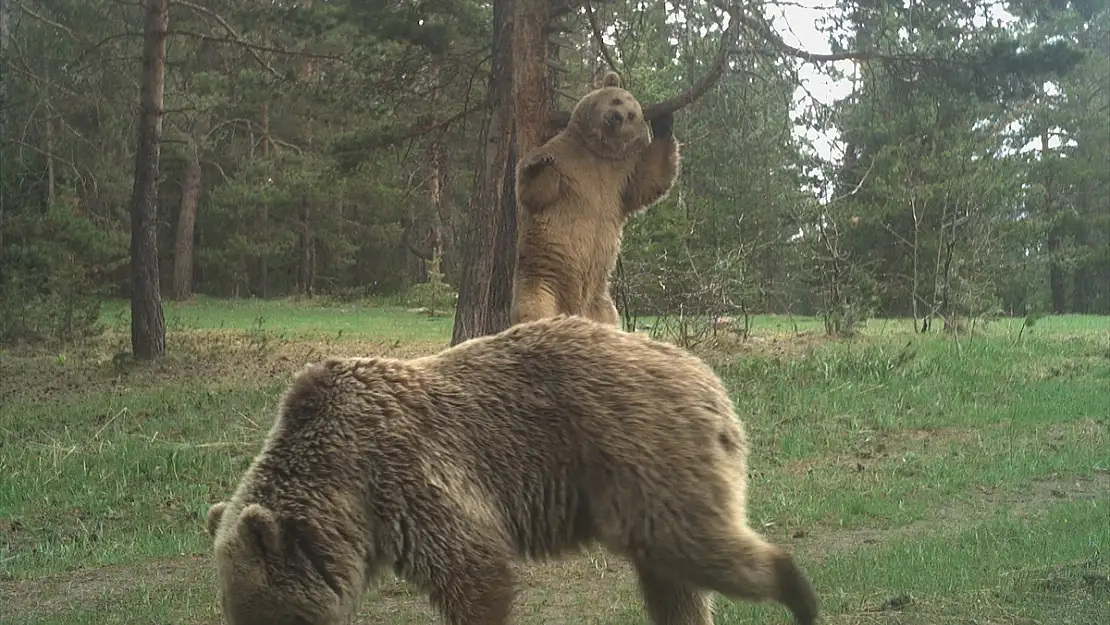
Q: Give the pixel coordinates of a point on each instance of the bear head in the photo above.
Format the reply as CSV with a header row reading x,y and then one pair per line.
x,y
609,121
267,571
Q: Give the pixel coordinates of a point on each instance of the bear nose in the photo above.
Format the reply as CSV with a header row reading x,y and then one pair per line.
x,y
613,118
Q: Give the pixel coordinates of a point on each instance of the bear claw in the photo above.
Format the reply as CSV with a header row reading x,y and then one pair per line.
x,y
541,160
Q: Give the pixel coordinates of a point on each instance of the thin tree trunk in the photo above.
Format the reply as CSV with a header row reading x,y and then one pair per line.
x,y
1056,272
916,265
435,192
307,269
51,171
5,62
148,330
264,211
187,219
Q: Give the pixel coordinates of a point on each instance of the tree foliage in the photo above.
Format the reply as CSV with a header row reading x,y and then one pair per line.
x,y
362,147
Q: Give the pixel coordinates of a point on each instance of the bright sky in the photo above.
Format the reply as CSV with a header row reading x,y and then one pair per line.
x,y
797,22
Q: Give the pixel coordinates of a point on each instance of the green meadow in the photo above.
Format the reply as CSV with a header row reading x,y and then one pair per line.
x,y
918,478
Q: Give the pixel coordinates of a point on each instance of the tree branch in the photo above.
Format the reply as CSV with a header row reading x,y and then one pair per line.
x,y
424,126
559,119
707,82
597,36
231,31
45,20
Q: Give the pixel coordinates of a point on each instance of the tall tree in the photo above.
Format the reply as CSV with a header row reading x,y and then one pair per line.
x,y
148,329
519,86
187,215
485,285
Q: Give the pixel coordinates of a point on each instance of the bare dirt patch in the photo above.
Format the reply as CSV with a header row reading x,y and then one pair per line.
x,y
581,589
590,588
238,356
82,589
767,344
872,447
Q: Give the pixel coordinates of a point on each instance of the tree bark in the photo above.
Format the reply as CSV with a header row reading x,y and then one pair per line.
x,y
307,271
485,282
262,261
187,220
531,90
5,64
264,211
1056,272
148,330
519,106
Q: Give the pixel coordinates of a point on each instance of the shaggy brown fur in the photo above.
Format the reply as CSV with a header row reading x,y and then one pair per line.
x,y
526,444
575,193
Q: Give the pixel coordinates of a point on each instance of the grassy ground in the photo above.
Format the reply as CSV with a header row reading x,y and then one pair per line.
x,y
919,479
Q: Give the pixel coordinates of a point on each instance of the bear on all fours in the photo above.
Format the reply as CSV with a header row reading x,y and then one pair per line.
x,y
527,444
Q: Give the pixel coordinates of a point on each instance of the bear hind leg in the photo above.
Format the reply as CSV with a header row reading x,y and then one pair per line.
x,y
670,602
738,563
602,309
531,303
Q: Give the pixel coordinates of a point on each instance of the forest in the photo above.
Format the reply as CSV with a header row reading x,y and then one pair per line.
x,y
889,238
948,161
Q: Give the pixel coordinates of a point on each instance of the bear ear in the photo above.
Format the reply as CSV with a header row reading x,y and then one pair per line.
x,y
215,513
611,79
261,527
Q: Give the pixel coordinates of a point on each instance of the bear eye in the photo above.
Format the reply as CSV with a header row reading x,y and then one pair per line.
x,y
631,115
616,102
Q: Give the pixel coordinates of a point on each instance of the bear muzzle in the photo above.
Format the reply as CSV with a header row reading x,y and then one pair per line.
x,y
612,119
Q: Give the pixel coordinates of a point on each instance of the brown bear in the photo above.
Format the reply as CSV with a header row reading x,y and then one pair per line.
x,y
574,195
526,444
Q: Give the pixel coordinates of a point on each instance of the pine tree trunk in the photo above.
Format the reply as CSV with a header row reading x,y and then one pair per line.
x,y
307,269
531,89
148,330
1056,271
518,86
490,242
5,63
186,223
262,262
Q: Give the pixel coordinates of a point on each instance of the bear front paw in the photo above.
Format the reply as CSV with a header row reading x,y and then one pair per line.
x,y
537,161
662,126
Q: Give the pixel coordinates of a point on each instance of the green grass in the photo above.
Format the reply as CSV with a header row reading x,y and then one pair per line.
x,y
964,479
294,319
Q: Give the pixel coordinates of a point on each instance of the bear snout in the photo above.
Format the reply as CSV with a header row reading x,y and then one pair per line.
x,y
612,119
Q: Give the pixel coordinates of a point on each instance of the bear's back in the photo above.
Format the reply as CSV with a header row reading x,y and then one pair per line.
x,y
577,381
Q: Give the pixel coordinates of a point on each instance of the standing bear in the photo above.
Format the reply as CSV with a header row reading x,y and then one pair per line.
x,y
526,444
575,193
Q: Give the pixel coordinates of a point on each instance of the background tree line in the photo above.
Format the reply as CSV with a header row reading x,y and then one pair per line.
x,y
351,148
